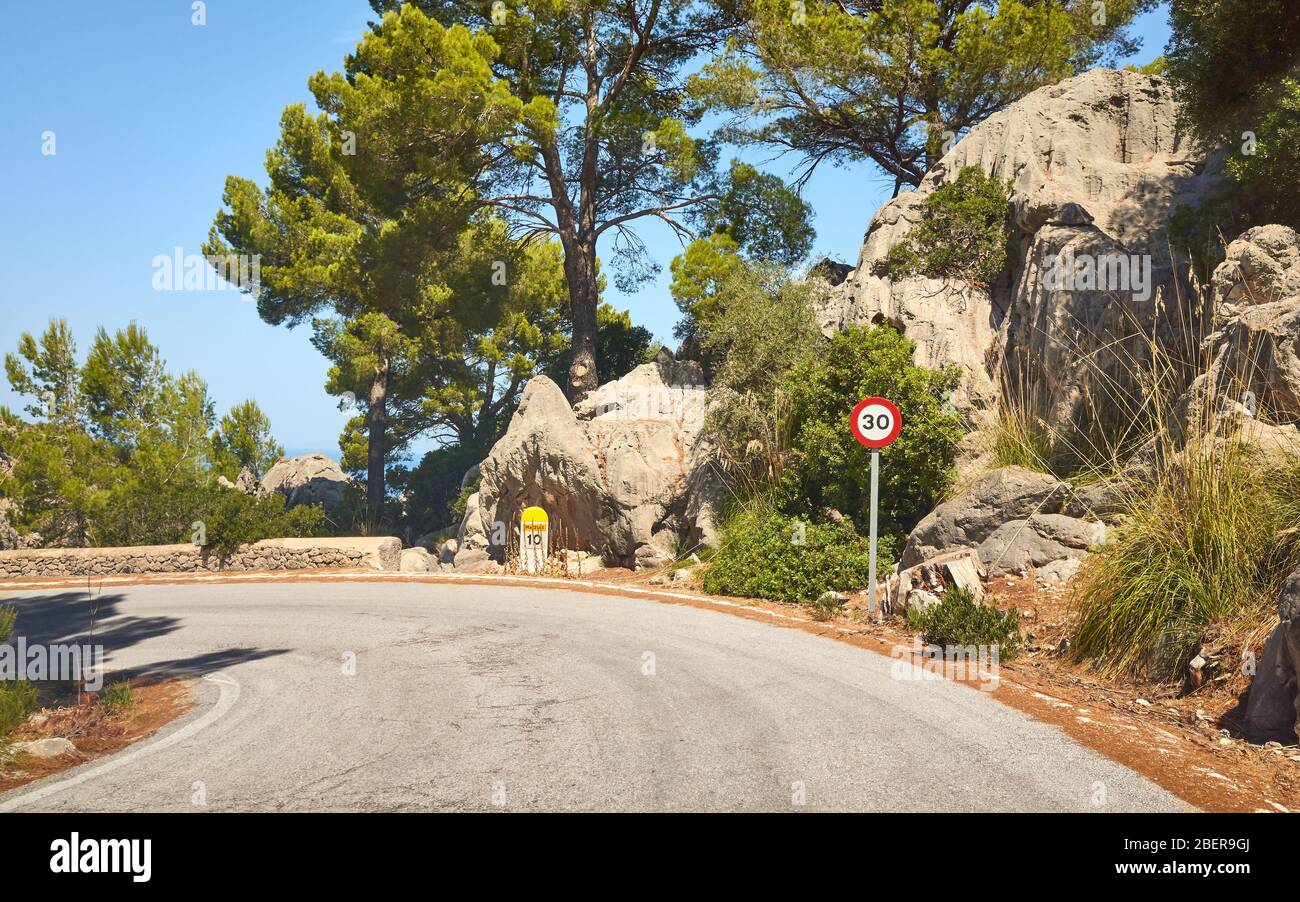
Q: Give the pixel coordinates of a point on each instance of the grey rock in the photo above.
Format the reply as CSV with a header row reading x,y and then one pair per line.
x,y
1273,705
921,600
1059,572
623,475
45,748
306,479
967,520
415,560
1017,545
1097,163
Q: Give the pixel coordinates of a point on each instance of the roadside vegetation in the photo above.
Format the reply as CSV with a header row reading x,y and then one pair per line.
x,y
958,620
17,697
115,450
796,526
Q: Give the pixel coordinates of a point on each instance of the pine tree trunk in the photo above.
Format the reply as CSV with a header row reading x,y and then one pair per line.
x,y
583,301
377,419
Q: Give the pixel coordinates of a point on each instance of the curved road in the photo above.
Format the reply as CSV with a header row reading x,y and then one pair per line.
x,y
418,697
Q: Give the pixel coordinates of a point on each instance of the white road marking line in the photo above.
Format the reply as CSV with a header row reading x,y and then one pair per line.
x,y
229,695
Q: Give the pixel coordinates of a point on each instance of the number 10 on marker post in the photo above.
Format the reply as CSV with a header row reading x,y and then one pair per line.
x,y
875,422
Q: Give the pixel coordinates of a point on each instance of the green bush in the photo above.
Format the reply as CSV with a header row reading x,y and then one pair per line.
x,y
1206,543
759,557
962,233
232,518
831,469
116,697
958,619
17,697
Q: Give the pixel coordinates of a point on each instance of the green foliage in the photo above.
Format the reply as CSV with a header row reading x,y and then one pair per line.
x,y
433,489
765,219
830,468
959,620
893,81
759,557
826,606
116,697
17,697
243,439
620,348
962,234
1206,543
1228,59
699,274
764,327
141,475
1269,173
1235,66
232,519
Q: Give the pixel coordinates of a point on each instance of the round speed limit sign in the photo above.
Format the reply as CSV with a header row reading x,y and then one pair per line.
x,y
875,422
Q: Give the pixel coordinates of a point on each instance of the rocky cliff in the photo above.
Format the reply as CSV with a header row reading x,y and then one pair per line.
x,y
1097,165
624,474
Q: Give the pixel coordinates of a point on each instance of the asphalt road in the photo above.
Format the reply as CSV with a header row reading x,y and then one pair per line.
x,y
417,697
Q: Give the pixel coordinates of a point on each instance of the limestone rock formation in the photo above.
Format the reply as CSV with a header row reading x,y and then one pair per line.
x,y
1097,165
1273,706
306,479
1255,347
622,475
1012,517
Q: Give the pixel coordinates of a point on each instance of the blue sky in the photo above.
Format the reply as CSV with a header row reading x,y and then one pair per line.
x,y
149,114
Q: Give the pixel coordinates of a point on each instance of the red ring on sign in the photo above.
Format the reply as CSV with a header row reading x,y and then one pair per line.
x,y
878,443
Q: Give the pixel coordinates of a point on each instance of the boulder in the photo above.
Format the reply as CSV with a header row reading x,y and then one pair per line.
x,y
1012,518
1097,163
623,475
1059,572
306,479
416,560
1273,705
965,521
1255,347
45,748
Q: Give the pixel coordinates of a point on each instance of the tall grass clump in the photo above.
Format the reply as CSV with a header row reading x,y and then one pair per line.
x,y
1207,543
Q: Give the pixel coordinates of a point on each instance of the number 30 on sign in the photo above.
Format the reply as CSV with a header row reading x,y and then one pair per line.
x,y
876,422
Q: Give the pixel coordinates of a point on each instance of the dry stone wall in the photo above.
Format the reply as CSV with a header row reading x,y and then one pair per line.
x,y
271,554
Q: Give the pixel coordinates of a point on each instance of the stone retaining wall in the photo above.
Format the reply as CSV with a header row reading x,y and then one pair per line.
x,y
270,554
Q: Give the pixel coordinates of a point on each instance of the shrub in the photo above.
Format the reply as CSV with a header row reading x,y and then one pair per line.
x,y
232,518
764,328
116,697
962,233
831,469
17,697
826,605
759,557
958,619
1207,541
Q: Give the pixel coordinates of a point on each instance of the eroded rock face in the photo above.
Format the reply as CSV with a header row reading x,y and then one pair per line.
x,y
1255,347
1012,517
622,475
1097,165
306,479
1273,707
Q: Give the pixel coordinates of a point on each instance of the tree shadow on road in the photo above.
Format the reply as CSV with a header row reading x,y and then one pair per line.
x,y
67,618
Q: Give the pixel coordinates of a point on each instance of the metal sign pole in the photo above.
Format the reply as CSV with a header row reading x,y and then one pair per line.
x,y
875,493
